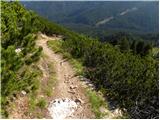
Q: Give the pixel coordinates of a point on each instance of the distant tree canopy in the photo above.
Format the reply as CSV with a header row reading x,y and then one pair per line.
x,y
128,42
83,16
124,44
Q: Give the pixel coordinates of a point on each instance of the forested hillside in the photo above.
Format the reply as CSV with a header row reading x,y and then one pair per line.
x,y
125,72
91,17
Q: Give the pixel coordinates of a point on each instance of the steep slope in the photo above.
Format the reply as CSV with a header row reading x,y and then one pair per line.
x,y
129,79
18,53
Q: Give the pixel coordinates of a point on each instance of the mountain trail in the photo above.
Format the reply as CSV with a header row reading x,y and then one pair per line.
x,y
69,99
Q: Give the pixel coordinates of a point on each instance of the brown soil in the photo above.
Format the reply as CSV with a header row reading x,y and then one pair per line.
x,y
65,80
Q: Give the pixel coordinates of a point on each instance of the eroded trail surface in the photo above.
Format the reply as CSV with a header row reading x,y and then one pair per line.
x,y
69,100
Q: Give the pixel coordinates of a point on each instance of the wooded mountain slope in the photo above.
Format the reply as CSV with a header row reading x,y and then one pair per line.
x,y
131,79
141,16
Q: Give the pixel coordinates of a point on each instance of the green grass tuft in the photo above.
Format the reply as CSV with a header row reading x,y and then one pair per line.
x,y
55,45
96,102
78,67
42,103
32,103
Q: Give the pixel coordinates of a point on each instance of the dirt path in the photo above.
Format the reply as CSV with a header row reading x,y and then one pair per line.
x,y
68,86
69,98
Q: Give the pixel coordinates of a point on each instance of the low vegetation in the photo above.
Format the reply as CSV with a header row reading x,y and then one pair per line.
x,y
18,52
56,46
129,78
95,99
96,102
42,103
48,89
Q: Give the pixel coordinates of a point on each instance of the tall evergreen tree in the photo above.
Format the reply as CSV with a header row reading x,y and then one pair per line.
x,y
133,46
124,44
140,48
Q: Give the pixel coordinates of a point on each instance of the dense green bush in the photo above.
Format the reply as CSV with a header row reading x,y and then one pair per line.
x,y
17,28
130,79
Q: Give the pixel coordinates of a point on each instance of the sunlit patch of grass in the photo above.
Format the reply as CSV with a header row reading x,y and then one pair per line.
x,y
51,81
77,65
96,102
42,103
154,51
32,103
48,91
66,55
39,115
47,88
36,104
125,116
55,45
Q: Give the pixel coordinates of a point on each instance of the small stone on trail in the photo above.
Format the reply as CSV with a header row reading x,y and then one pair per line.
x,y
78,100
71,92
41,96
14,98
102,110
117,112
72,87
66,81
23,92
